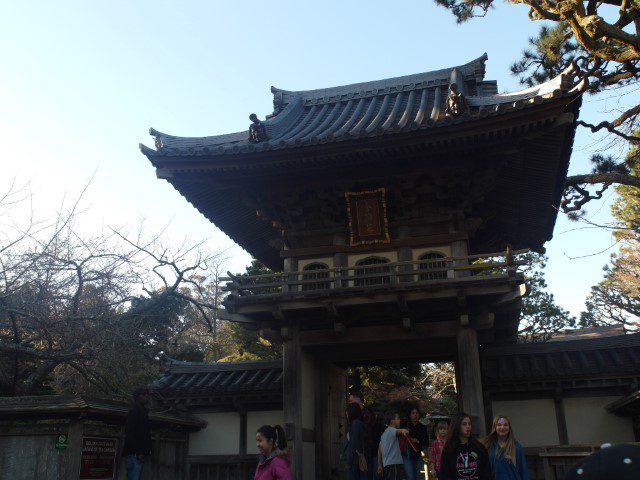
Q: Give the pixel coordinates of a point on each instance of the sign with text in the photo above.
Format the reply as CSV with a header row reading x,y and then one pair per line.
x,y
98,458
367,212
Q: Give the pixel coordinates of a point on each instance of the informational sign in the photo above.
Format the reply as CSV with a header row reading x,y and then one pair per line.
x,y
98,458
62,442
367,214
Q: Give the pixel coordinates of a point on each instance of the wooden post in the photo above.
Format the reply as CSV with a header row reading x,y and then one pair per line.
x,y
405,254
321,414
292,399
70,467
459,248
340,260
290,265
242,448
470,379
561,419
635,419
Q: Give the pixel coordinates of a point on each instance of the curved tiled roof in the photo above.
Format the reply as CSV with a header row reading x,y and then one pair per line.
x,y
366,109
48,405
616,355
196,379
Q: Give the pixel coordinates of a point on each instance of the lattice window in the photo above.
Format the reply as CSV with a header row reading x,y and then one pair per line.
x,y
372,266
432,260
315,271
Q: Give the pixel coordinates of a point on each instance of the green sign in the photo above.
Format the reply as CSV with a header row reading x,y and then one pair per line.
x,y
62,442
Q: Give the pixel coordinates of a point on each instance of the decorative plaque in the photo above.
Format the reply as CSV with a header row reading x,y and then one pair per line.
x,y
367,213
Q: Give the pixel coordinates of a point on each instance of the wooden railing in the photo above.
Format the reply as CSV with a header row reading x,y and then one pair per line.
x,y
222,467
378,274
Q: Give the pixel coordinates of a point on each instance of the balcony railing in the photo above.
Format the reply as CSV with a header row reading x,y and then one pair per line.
x,y
377,275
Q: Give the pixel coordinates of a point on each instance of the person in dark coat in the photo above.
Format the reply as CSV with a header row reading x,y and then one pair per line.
x,y
416,446
355,443
368,419
137,435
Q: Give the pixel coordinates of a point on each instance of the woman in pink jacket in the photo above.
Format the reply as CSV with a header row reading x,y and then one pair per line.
x,y
274,460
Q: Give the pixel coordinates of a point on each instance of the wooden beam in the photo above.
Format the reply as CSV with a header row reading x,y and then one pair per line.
x,y
386,333
425,241
470,378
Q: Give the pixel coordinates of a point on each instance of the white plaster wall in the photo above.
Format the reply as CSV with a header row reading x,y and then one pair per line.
x,y
309,455
308,392
534,421
257,419
221,436
589,423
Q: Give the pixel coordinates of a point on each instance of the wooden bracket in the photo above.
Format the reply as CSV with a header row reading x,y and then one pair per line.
x,y
285,333
332,310
278,314
483,321
406,323
462,301
402,304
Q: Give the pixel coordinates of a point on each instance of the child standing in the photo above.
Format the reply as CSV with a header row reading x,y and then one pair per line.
x,y
463,457
435,452
389,457
273,463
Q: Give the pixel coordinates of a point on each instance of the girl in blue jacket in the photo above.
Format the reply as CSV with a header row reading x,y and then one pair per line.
x,y
506,455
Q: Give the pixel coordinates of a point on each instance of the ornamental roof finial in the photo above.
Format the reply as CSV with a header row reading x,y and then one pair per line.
x,y
257,130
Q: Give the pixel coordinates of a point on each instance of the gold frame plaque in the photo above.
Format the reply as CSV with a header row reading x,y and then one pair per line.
x,y
367,214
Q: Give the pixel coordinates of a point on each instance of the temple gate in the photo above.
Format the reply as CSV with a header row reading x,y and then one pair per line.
x,y
394,212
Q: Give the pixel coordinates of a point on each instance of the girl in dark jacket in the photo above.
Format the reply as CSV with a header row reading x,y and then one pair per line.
x,y
463,457
355,443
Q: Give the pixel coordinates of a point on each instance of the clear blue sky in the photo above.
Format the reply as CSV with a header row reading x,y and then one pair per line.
x,y
82,82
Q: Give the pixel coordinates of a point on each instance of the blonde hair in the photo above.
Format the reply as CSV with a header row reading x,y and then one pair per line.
x,y
492,438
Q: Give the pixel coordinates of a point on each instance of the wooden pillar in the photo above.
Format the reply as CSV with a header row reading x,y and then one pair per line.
x,y
405,254
70,466
460,248
292,399
635,419
340,260
321,414
290,265
488,409
470,380
561,419
242,448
